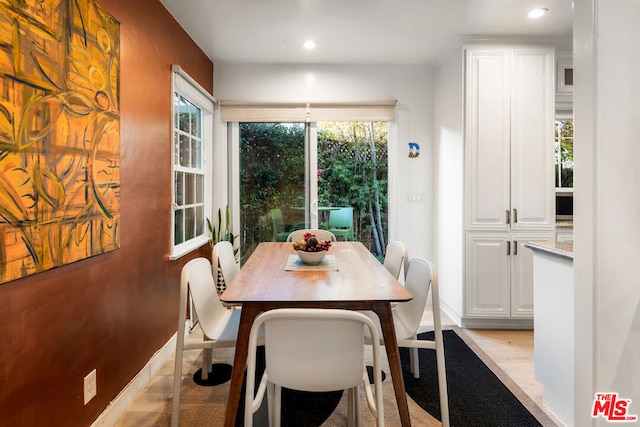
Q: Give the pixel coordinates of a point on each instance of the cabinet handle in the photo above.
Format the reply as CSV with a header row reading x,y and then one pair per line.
x,y
515,215
508,248
508,216
515,247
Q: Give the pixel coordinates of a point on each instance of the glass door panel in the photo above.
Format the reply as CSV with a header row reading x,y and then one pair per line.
x,y
352,181
272,182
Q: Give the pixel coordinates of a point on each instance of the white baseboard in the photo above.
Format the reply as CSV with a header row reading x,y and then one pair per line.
x,y
118,406
485,323
510,323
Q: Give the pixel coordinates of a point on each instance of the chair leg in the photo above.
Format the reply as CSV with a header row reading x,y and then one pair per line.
x,y
351,416
277,406
414,361
177,379
442,379
437,332
354,414
357,406
207,360
271,403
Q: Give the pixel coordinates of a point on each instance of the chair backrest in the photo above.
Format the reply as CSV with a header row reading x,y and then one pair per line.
x,y
341,218
421,275
395,258
298,235
277,220
197,278
224,257
314,349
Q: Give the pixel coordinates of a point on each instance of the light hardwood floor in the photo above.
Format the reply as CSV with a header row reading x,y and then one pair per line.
x,y
511,350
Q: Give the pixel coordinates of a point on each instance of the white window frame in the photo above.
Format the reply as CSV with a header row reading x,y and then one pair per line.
x,y
558,140
187,87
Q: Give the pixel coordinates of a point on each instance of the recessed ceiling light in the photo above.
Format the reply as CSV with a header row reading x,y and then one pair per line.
x,y
537,13
309,45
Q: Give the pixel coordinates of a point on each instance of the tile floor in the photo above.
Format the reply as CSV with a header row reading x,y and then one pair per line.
x,y
511,350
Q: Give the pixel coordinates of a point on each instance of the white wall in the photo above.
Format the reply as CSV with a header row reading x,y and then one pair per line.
x,y
449,154
411,85
607,202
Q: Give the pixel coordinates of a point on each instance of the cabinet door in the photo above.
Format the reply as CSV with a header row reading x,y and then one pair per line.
x,y
487,275
564,235
522,272
487,134
532,118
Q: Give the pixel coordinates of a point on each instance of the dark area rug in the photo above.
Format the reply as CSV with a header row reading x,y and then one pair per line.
x,y
477,397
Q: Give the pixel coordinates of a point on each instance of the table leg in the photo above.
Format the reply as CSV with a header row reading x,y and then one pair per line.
x,y
383,310
249,313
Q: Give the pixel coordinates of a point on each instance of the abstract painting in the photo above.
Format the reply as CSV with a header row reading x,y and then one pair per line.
x,y
59,134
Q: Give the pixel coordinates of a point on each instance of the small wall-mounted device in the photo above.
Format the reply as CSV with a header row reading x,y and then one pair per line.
x,y
414,150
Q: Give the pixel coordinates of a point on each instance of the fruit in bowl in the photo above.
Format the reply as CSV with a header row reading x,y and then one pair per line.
x,y
312,251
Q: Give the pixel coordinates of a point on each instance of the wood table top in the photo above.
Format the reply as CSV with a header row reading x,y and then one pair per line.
x,y
359,277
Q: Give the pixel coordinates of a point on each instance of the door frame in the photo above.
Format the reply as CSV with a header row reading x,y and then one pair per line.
x,y
228,160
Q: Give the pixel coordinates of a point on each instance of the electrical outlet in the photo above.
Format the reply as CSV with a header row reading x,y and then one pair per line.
x,y
90,386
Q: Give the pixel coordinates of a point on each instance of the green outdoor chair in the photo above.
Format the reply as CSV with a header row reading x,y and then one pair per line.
x,y
280,229
341,223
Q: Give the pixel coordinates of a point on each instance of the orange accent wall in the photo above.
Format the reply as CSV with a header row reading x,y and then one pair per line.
x,y
111,312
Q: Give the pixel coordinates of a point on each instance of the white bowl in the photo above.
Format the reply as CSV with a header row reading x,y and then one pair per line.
x,y
312,258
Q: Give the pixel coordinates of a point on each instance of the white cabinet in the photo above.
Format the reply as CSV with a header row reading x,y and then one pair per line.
x,y
495,178
487,275
564,82
522,272
564,235
499,274
509,188
509,138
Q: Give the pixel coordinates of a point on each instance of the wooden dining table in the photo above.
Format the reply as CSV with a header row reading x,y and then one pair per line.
x,y
354,280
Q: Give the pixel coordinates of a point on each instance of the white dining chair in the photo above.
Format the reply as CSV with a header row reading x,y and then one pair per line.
x,y
218,323
313,350
222,256
421,276
396,258
298,235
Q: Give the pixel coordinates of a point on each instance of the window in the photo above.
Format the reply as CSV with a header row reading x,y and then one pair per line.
x,y
192,140
564,153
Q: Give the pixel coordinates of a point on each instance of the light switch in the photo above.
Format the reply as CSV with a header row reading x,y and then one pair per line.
x,y
415,197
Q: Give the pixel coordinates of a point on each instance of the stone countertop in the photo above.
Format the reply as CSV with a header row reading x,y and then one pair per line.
x,y
558,249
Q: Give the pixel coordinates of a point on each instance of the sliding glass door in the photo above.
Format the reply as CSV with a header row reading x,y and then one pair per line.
x,y
328,175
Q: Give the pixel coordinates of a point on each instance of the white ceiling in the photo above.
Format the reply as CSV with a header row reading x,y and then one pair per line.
x,y
357,31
